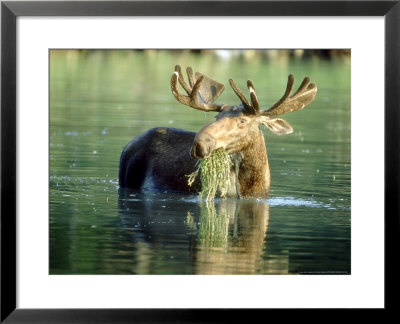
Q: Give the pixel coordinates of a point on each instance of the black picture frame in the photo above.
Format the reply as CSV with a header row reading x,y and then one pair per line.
x,y
10,10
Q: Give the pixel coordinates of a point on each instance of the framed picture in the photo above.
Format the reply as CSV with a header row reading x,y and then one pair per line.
x,y
80,243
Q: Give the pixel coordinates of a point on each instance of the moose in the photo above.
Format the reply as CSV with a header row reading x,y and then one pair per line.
x,y
162,158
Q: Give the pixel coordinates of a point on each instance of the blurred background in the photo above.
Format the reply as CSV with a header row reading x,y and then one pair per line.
x,y
101,99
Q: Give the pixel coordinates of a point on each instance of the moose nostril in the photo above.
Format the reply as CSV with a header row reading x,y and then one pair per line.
x,y
195,152
203,145
200,150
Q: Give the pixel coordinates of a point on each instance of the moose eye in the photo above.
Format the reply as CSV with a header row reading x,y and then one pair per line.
x,y
242,122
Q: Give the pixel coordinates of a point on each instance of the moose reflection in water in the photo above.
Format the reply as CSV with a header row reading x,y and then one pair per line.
x,y
161,158
222,237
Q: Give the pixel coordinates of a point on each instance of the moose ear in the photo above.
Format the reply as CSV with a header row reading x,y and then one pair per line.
x,y
277,126
210,89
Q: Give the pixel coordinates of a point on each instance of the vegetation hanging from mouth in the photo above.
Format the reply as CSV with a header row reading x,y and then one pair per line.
x,y
214,175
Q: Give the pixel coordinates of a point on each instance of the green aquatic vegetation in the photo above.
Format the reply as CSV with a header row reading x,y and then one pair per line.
x,y
214,175
214,225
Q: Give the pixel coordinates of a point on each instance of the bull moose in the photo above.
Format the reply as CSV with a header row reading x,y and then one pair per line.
x,y
162,158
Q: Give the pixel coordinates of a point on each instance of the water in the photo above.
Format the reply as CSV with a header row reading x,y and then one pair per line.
x,y
100,100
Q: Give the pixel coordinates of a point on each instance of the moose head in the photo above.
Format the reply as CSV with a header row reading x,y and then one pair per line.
x,y
236,127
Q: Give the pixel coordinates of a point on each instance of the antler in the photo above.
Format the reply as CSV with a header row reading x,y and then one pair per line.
x,y
201,90
254,107
301,98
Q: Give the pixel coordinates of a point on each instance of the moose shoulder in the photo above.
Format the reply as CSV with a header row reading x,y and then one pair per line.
x,y
162,158
159,159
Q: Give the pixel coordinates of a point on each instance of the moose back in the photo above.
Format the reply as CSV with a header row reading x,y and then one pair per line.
x,y
162,158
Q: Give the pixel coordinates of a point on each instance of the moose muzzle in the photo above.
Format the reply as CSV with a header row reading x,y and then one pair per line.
x,y
203,145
